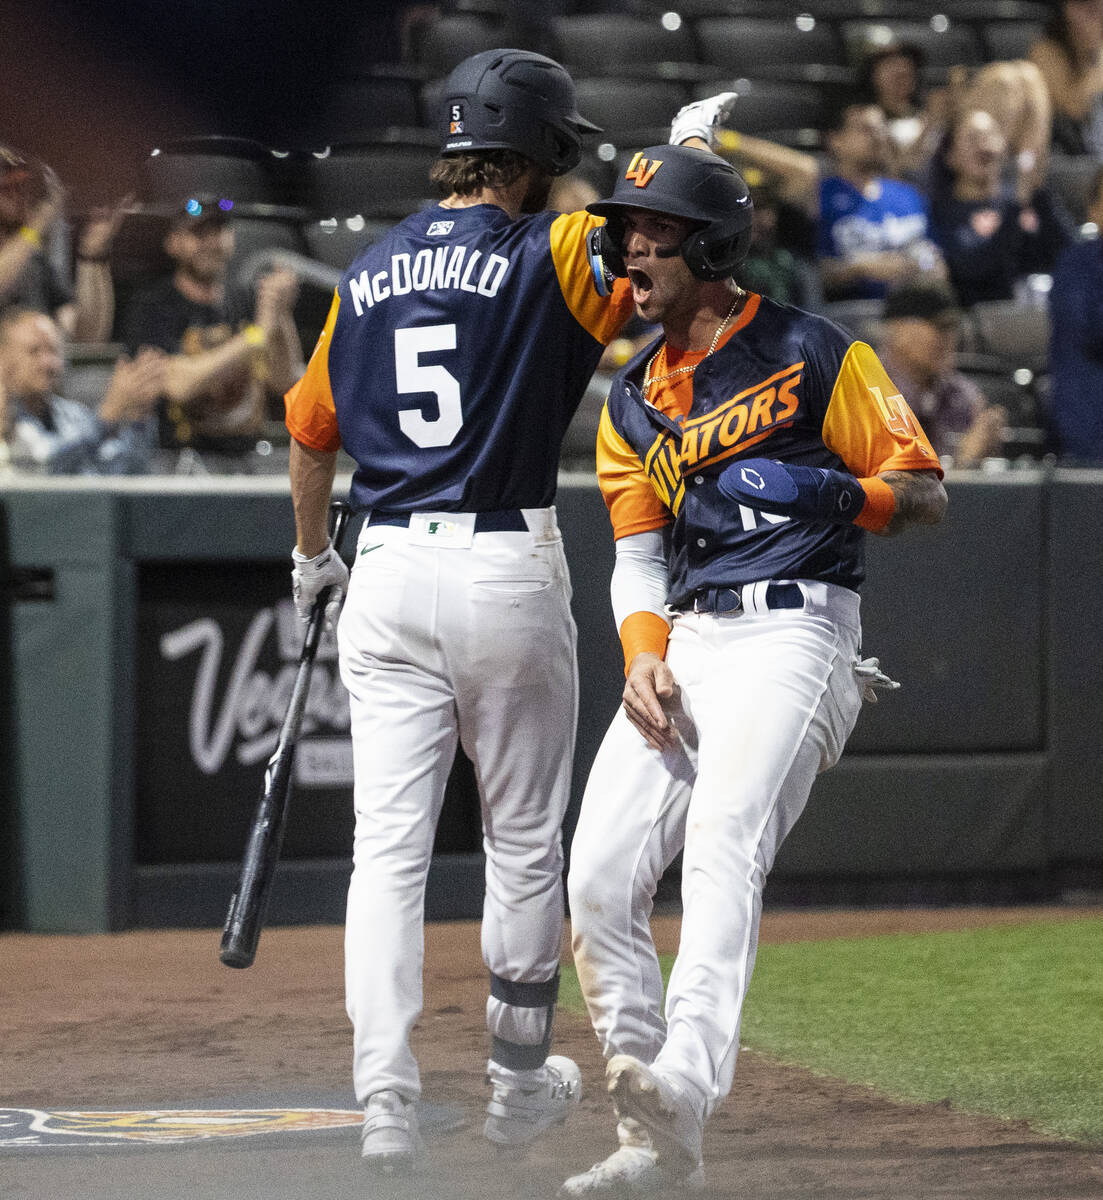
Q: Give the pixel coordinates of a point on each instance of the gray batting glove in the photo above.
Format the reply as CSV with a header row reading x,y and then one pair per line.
x,y
871,677
701,118
311,576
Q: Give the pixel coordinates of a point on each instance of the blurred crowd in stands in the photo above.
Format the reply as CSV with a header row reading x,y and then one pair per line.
x,y
934,183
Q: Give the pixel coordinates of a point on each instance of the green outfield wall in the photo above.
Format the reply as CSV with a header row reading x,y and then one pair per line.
x,y
147,642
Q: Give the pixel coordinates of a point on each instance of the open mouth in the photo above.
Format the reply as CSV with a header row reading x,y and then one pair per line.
x,y
641,284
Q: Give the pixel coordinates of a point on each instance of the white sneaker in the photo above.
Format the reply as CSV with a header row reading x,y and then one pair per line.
x,y
632,1170
389,1138
641,1094
629,1171
526,1103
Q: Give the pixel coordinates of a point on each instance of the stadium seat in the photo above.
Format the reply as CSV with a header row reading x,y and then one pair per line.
x,y
629,111
1070,177
694,10
979,12
375,180
1005,41
452,38
497,10
337,243
971,12
357,110
1024,394
595,168
619,43
791,113
236,169
254,234
753,45
1017,334
88,369
944,43
1015,388
862,318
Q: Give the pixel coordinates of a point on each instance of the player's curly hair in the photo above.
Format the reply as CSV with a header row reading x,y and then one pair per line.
x,y
466,174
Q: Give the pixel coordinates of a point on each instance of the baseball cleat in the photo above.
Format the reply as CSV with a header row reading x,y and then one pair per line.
x,y
630,1171
389,1139
524,1104
640,1094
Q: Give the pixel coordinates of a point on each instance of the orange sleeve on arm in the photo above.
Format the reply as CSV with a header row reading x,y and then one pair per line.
x,y
311,416
601,316
642,632
870,425
632,502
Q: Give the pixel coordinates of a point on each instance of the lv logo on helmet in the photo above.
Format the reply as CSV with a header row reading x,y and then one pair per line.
x,y
642,170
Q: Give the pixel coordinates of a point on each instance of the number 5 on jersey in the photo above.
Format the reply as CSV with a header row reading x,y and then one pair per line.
x,y
414,377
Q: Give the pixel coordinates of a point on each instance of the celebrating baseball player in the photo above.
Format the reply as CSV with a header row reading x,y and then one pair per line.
x,y
742,455
456,351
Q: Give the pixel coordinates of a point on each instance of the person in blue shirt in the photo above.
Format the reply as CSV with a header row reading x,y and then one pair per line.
x,y
874,231
1076,344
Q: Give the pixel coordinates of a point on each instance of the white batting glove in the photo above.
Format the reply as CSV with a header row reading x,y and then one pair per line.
x,y
311,576
871,677
701,118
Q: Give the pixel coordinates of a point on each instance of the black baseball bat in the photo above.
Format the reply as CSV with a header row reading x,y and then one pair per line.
x,y
248,905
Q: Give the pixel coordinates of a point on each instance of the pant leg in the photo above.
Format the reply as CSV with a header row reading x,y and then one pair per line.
x,y
517,696
404,740
774,698
631,827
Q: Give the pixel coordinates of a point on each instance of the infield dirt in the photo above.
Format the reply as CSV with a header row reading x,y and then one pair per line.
x,y
152,1020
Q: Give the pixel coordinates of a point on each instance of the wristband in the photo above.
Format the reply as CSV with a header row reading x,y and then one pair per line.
x,y
643,632
31,236
305,560
728,139
254,336
879,506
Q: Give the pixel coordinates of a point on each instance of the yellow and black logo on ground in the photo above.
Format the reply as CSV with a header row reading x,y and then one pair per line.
x,y
30,1128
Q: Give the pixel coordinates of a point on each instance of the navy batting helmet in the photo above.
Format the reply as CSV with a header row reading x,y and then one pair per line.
x,y
682,182
514,100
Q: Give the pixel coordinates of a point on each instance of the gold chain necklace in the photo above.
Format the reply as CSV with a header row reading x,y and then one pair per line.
x,y
649,380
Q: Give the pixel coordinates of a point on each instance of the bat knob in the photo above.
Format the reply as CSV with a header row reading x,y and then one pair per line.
x,y
236,949
229,957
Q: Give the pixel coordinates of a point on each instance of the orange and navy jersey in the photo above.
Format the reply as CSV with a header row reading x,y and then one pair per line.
x,y
456,351
784,384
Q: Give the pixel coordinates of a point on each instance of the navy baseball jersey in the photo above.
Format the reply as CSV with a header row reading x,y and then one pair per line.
x,y
782,384
428,371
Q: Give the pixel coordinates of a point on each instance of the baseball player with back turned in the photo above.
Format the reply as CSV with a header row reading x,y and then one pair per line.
x,y
456,351
742,456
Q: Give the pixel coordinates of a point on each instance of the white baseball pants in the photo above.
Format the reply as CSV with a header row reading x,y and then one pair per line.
x,y
767,701
439,643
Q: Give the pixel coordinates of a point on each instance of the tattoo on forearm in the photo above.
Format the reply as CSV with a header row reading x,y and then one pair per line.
x,y
920,499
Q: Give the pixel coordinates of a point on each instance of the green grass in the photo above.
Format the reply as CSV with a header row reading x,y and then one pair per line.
x,y
1005,1020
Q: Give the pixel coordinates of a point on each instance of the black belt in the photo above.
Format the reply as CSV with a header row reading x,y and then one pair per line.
x,y
727,599
500,520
